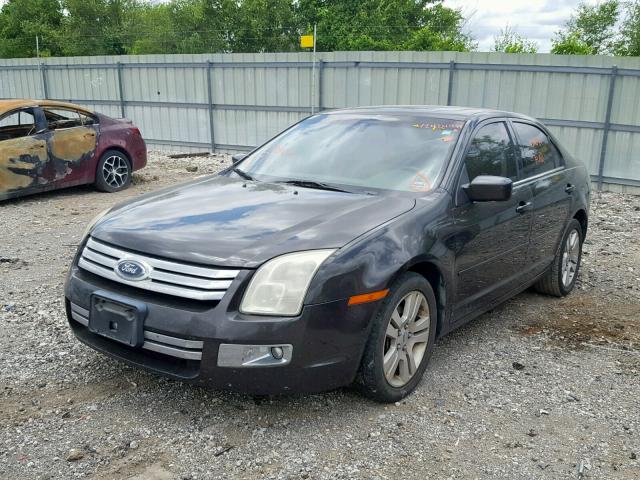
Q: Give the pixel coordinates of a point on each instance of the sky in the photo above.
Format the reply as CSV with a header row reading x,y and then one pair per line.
x,y
537,20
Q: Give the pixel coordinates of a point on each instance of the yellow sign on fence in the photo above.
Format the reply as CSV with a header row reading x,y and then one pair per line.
x,y
306,41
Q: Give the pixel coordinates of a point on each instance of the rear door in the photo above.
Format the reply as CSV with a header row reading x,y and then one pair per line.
x,y
23,151
72,145
491,238
543,170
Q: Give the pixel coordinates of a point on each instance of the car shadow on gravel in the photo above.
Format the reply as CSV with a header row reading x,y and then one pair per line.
x,y
79,191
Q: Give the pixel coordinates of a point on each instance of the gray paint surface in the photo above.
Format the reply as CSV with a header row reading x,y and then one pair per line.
x,y
254,96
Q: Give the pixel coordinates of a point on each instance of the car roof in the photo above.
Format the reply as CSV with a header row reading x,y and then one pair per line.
x,y
13,103
454,113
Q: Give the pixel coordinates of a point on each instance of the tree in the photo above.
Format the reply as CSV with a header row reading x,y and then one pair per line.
x,y
591,30
384,25
22,20
114,27
97,27
442,30
509,41
629,43
265,26
570,44
183,26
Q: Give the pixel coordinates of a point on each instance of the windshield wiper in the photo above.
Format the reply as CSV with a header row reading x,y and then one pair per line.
x,y
314,184
242,173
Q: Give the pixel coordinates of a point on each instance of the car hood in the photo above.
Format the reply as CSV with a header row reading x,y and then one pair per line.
x,y
226,222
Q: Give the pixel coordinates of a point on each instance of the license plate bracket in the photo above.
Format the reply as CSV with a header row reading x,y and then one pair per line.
x,y
118,318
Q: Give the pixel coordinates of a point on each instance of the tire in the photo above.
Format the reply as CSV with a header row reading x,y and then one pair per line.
x,y
554,282
113,173
371,378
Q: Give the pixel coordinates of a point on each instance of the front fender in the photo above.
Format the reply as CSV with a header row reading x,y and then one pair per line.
x,y
373,262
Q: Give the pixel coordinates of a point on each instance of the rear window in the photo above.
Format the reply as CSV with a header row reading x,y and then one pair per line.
x,y
538,154
58,118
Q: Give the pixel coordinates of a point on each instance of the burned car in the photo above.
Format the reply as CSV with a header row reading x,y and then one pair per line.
x,y
335,253
46,145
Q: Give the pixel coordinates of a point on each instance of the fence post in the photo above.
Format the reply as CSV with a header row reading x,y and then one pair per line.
x,y
120,90
210,106
452,69
320,69
607,126
45,87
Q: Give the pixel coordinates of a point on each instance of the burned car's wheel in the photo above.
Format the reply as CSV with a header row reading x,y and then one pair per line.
x,y
401,340
114,172
561,277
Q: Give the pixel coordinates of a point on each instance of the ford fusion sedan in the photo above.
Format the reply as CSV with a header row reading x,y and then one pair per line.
x,y
334,254
46,145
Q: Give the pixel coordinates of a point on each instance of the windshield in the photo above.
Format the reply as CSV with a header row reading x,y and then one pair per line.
x,y
389,152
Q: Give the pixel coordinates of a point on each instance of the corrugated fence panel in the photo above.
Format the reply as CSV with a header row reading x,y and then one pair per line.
x,y
583,143
19,83
82,84
254,96
241,127
623,157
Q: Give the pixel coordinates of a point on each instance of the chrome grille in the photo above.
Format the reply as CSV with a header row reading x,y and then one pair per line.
x,y
171,278
156,342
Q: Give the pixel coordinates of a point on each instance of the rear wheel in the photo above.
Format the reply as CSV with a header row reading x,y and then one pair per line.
x,y
561,277
114,172
401,340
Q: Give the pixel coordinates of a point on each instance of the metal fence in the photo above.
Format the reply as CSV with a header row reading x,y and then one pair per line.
x,y
232,102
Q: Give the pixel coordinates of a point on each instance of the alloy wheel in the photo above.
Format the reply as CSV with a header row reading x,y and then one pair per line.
x,y
115,171
406,340
570,257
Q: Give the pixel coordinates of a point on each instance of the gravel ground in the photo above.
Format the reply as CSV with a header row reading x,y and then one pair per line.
x,y
540,387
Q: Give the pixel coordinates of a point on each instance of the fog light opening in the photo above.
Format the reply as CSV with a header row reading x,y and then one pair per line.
x,y
277,353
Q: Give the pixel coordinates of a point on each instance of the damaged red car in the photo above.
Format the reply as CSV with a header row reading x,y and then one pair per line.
x,y
46,145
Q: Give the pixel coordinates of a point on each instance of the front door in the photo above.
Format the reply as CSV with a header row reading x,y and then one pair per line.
x,y
491,237
23,152
72,145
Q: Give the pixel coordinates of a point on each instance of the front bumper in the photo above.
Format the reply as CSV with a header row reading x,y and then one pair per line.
x,y
182,338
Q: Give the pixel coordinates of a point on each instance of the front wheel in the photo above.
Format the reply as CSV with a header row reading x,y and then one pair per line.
x,y
114,172
401,340
561,277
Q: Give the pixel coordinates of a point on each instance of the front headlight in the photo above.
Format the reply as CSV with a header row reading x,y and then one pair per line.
x,y
93,222
280,285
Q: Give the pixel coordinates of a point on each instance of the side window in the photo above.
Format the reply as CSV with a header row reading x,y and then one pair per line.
x,y
87,119
17,124
491,153
538,154
58,118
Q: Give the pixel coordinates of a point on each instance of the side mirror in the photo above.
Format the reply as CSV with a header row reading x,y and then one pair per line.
x,y
237,157
487,188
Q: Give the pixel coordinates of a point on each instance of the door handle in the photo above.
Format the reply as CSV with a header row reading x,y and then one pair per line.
x,y
569,188
523,207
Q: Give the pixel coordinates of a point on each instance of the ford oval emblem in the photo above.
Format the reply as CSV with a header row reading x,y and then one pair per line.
x,y
132,270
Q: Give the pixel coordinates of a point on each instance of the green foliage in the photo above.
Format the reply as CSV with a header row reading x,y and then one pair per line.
x,y
384,25
22,20
96,27
442,30
265,26
629,43
570,44
112,27
509,41
591,30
